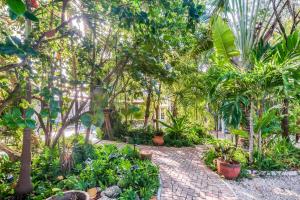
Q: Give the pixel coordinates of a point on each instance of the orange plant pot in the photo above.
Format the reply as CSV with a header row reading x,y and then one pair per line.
x,y
230,170
158,140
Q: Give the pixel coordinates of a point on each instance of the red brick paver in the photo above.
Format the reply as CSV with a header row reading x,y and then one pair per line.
x,y
185,177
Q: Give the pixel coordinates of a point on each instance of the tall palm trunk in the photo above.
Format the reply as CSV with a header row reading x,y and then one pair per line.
x,y
251,132
285,120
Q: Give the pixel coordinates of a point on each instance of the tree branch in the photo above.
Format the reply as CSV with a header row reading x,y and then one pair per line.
x,y
10,98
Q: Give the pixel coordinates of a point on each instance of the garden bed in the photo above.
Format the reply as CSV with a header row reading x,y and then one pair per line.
x,y
100,167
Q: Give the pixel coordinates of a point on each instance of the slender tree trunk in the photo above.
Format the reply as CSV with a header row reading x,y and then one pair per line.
x,y
126,107
49,126
251,132
92,83
74,63
260,115
157,108
175,110
285,120
107,123
148,103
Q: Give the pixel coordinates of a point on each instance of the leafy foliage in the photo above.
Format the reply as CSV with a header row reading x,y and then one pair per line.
x,y
223,39
95,167
279,154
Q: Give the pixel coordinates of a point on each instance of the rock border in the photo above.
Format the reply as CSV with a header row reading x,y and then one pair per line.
x,y
159,189
273,173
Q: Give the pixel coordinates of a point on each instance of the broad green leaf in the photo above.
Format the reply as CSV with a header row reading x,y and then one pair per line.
x,y
29,113
12,15
30,123
30,16
86,120
16,113
44,113
239,132
17,6
223,39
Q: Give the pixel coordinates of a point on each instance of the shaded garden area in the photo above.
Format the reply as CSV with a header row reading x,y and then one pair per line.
x,y
215,81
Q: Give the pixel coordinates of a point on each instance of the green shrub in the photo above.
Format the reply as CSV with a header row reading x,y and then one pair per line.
x,y
279,154
180,134
141,136
103,166
209,158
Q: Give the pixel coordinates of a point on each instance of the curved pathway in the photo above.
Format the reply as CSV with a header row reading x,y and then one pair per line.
x,y
185,177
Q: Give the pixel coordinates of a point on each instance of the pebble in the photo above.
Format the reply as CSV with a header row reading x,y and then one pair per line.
x,y
267,188
111,192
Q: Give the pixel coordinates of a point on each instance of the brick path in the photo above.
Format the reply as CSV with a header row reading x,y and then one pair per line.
x,y
185,177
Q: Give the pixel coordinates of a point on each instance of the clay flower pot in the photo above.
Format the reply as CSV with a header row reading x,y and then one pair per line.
x,y
146,155
70,195
230,170
158,140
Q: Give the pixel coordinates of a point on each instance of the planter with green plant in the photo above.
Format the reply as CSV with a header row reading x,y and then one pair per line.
x,y
227,166
226,159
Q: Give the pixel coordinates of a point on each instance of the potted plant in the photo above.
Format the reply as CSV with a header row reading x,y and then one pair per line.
x,y
70,195
226,165
158,138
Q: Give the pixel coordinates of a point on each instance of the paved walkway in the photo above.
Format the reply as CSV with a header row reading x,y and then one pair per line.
x,y
185,177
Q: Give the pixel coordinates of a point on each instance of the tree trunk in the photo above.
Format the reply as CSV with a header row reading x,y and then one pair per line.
x,y
126,108
107,123
174,110
298,134
251,132
260,115
92,83
285,120
148,103
24,185
157,108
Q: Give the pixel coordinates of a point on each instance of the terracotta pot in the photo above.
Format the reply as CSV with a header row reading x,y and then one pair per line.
x,y
230,170
70,195
146,155
158,140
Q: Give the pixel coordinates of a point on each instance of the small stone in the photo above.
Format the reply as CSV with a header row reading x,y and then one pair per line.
x,y
111,192
59,178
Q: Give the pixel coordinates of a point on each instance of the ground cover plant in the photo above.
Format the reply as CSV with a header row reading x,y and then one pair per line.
x,y
91,167
132,69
